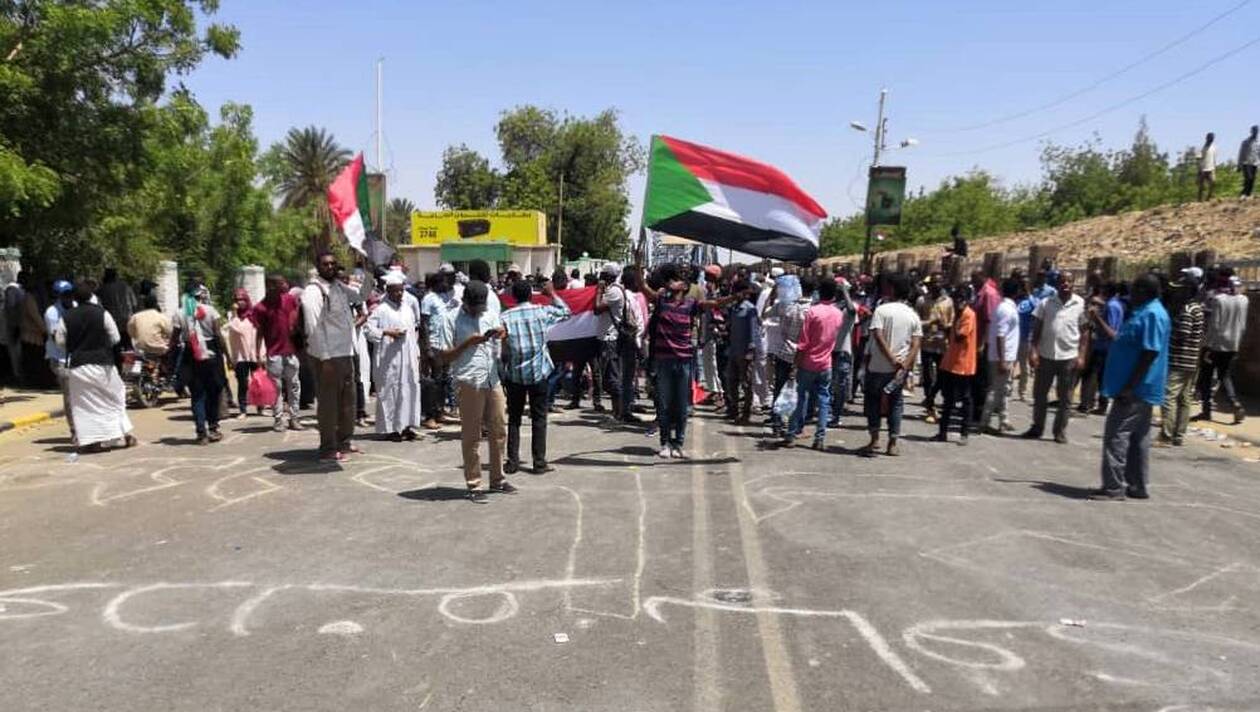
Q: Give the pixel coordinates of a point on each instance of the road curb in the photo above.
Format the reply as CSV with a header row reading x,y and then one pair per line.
x,y
29,419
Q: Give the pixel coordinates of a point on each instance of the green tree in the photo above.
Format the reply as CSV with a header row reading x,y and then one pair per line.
x,y
398,220
79,82
304,165
466,181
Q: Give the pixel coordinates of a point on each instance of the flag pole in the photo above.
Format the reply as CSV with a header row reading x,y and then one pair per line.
x,y
643,228
380,164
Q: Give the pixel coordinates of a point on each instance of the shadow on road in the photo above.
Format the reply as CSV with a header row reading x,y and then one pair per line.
x,y
435,494
1055,488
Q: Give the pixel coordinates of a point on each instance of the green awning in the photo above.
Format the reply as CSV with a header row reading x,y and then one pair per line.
x,y
464,251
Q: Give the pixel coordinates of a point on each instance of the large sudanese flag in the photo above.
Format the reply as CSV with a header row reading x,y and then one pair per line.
x,y
348,203
724,199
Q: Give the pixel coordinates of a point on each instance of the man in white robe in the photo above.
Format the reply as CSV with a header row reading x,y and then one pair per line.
x,y
97,394
393,326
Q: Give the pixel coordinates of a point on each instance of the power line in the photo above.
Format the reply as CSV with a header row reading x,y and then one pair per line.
x,y
1103,80
1115,107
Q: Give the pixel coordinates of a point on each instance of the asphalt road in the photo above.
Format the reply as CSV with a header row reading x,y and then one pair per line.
x,y
243,576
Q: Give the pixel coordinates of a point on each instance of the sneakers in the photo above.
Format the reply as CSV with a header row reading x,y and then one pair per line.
x,y
1134,493
511,468
1006,428
504,487
242,416
278,427
1061,438
665,453
215,436
203,439
478,497
295,425
677,453
1239,416
819,444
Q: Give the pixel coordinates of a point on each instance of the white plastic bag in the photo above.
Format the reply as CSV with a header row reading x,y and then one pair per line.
x,y
785,404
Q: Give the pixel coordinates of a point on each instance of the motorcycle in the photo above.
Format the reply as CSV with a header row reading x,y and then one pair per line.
x,y
145,377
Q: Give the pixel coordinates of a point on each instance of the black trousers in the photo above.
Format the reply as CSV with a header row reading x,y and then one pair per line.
x,y
1218,363
517,393
1249,179
956,388
930,365
979,388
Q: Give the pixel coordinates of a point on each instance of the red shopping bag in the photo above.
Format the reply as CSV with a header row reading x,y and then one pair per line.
x,y
262,391
698,394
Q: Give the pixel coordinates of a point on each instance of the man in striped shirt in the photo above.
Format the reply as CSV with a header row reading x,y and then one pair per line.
x,y
526,368
1183,358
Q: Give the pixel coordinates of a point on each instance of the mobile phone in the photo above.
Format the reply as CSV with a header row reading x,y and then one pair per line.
x,y
491,333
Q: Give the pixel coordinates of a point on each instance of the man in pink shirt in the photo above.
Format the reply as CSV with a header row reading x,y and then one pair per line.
x,y
813,364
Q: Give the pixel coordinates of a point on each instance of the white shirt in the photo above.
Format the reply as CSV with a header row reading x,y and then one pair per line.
x,y
1005,324
899,324
1207,162
1060,326
328,319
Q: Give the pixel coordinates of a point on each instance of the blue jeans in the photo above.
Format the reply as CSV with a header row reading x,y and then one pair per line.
x,y
841,374
811,385
673,395
872,396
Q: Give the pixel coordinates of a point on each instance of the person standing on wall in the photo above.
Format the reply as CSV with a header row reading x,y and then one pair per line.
x,y
330,322
1207,168
1249,160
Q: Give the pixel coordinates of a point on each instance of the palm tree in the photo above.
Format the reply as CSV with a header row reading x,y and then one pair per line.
x,y
312,160
398,220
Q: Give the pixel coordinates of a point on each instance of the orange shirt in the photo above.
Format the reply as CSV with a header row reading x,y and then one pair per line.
x,y
960,355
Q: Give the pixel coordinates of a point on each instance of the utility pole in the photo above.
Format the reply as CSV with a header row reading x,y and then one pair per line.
x,y
881,130
560,218
380,162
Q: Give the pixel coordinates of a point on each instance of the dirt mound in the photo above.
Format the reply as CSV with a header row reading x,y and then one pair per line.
x,y
1229,226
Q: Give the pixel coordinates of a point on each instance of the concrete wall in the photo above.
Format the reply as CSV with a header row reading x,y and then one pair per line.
x,y
252,279
168,286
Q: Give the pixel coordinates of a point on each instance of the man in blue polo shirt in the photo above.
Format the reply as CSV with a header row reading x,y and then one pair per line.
x,y
1137,368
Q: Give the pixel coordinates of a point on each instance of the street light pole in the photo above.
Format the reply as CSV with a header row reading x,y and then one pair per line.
x,y
881,130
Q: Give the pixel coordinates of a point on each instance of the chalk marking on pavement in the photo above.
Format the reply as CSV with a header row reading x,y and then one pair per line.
x,y
161,477
570,567
506,610
707,694
1197,582
872,637
52,608
240,617
774,650
358,478
112,617
268,485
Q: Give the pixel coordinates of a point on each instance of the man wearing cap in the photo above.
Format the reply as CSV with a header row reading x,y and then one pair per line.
x,y
1226,320
63,291
477,336
618,332
393,326
1183,358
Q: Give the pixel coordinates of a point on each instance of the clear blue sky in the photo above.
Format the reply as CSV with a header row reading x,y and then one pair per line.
x,y
775,81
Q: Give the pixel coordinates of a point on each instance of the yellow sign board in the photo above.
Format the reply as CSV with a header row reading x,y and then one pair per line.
x,y
516,227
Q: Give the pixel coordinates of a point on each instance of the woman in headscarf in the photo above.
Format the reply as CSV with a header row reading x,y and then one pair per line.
x,y
245,349
203,365
393,326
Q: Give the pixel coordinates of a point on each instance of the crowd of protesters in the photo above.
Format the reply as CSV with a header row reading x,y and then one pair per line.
x,y
787,351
